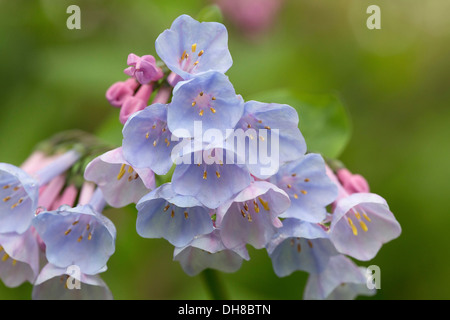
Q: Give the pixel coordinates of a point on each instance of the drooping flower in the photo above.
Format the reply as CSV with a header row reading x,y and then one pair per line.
x,y
209,178
341,280
19,191
252,216
208,251
361,224
119,91
55,283
190,47
308,186
79,236
208,98
300,245
143,69
147,141
121,184
19,257
272,129
164,214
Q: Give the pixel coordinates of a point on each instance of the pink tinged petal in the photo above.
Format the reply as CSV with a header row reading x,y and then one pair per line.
x,y
136,103
163,95
33,162
52,284
361,224
19,260
51,192
173,79
352,183
119,91
86,193
68,197
120,183
252,216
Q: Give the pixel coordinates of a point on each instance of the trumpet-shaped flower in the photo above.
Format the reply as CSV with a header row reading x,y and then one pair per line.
x,y
190,47
120,183
272,128
308,186
164,214
19,199
78,236
208,251
211,182
300,245
209,98
147,140
361,223
55,283
252,215
19,257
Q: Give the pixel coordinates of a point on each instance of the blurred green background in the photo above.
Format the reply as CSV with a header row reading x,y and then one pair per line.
x,y
394,83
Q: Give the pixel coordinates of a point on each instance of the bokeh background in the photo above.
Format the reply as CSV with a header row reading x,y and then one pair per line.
x,y
394,83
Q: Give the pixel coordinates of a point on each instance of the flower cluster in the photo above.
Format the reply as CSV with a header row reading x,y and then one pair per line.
x,y
241,174
235,172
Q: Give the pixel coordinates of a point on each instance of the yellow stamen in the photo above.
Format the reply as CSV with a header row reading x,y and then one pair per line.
x,y
292,242
306,180
6,199
146,135
246,206
217,174
200,113
75,223
186,215
267,127
251,137
166,207
136,176
261,137
200,53
350,222
154,143
294,174
249,126
16,188
194,47
265,204
259,121
163,129
363,226
195,63
357,215
88,227
1,248
89,236
6,187
172,214
243,213
154,126
80,238
213,98
121,172
130,169
299,248
130,178
303,191
14,205
183,55
212,110
201,94
366,217
256,207
167,142
205,174
14,262
249,218
194,103
310,244
67,232
295,196
5,257
289,186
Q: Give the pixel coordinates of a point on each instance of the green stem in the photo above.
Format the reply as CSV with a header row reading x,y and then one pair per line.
x,y
214,285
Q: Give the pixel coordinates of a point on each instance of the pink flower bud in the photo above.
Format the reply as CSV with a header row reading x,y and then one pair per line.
x,y
119,91
352,183
143,69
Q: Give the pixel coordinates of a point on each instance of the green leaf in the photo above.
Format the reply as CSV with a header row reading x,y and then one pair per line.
x,y
211,13
323,119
